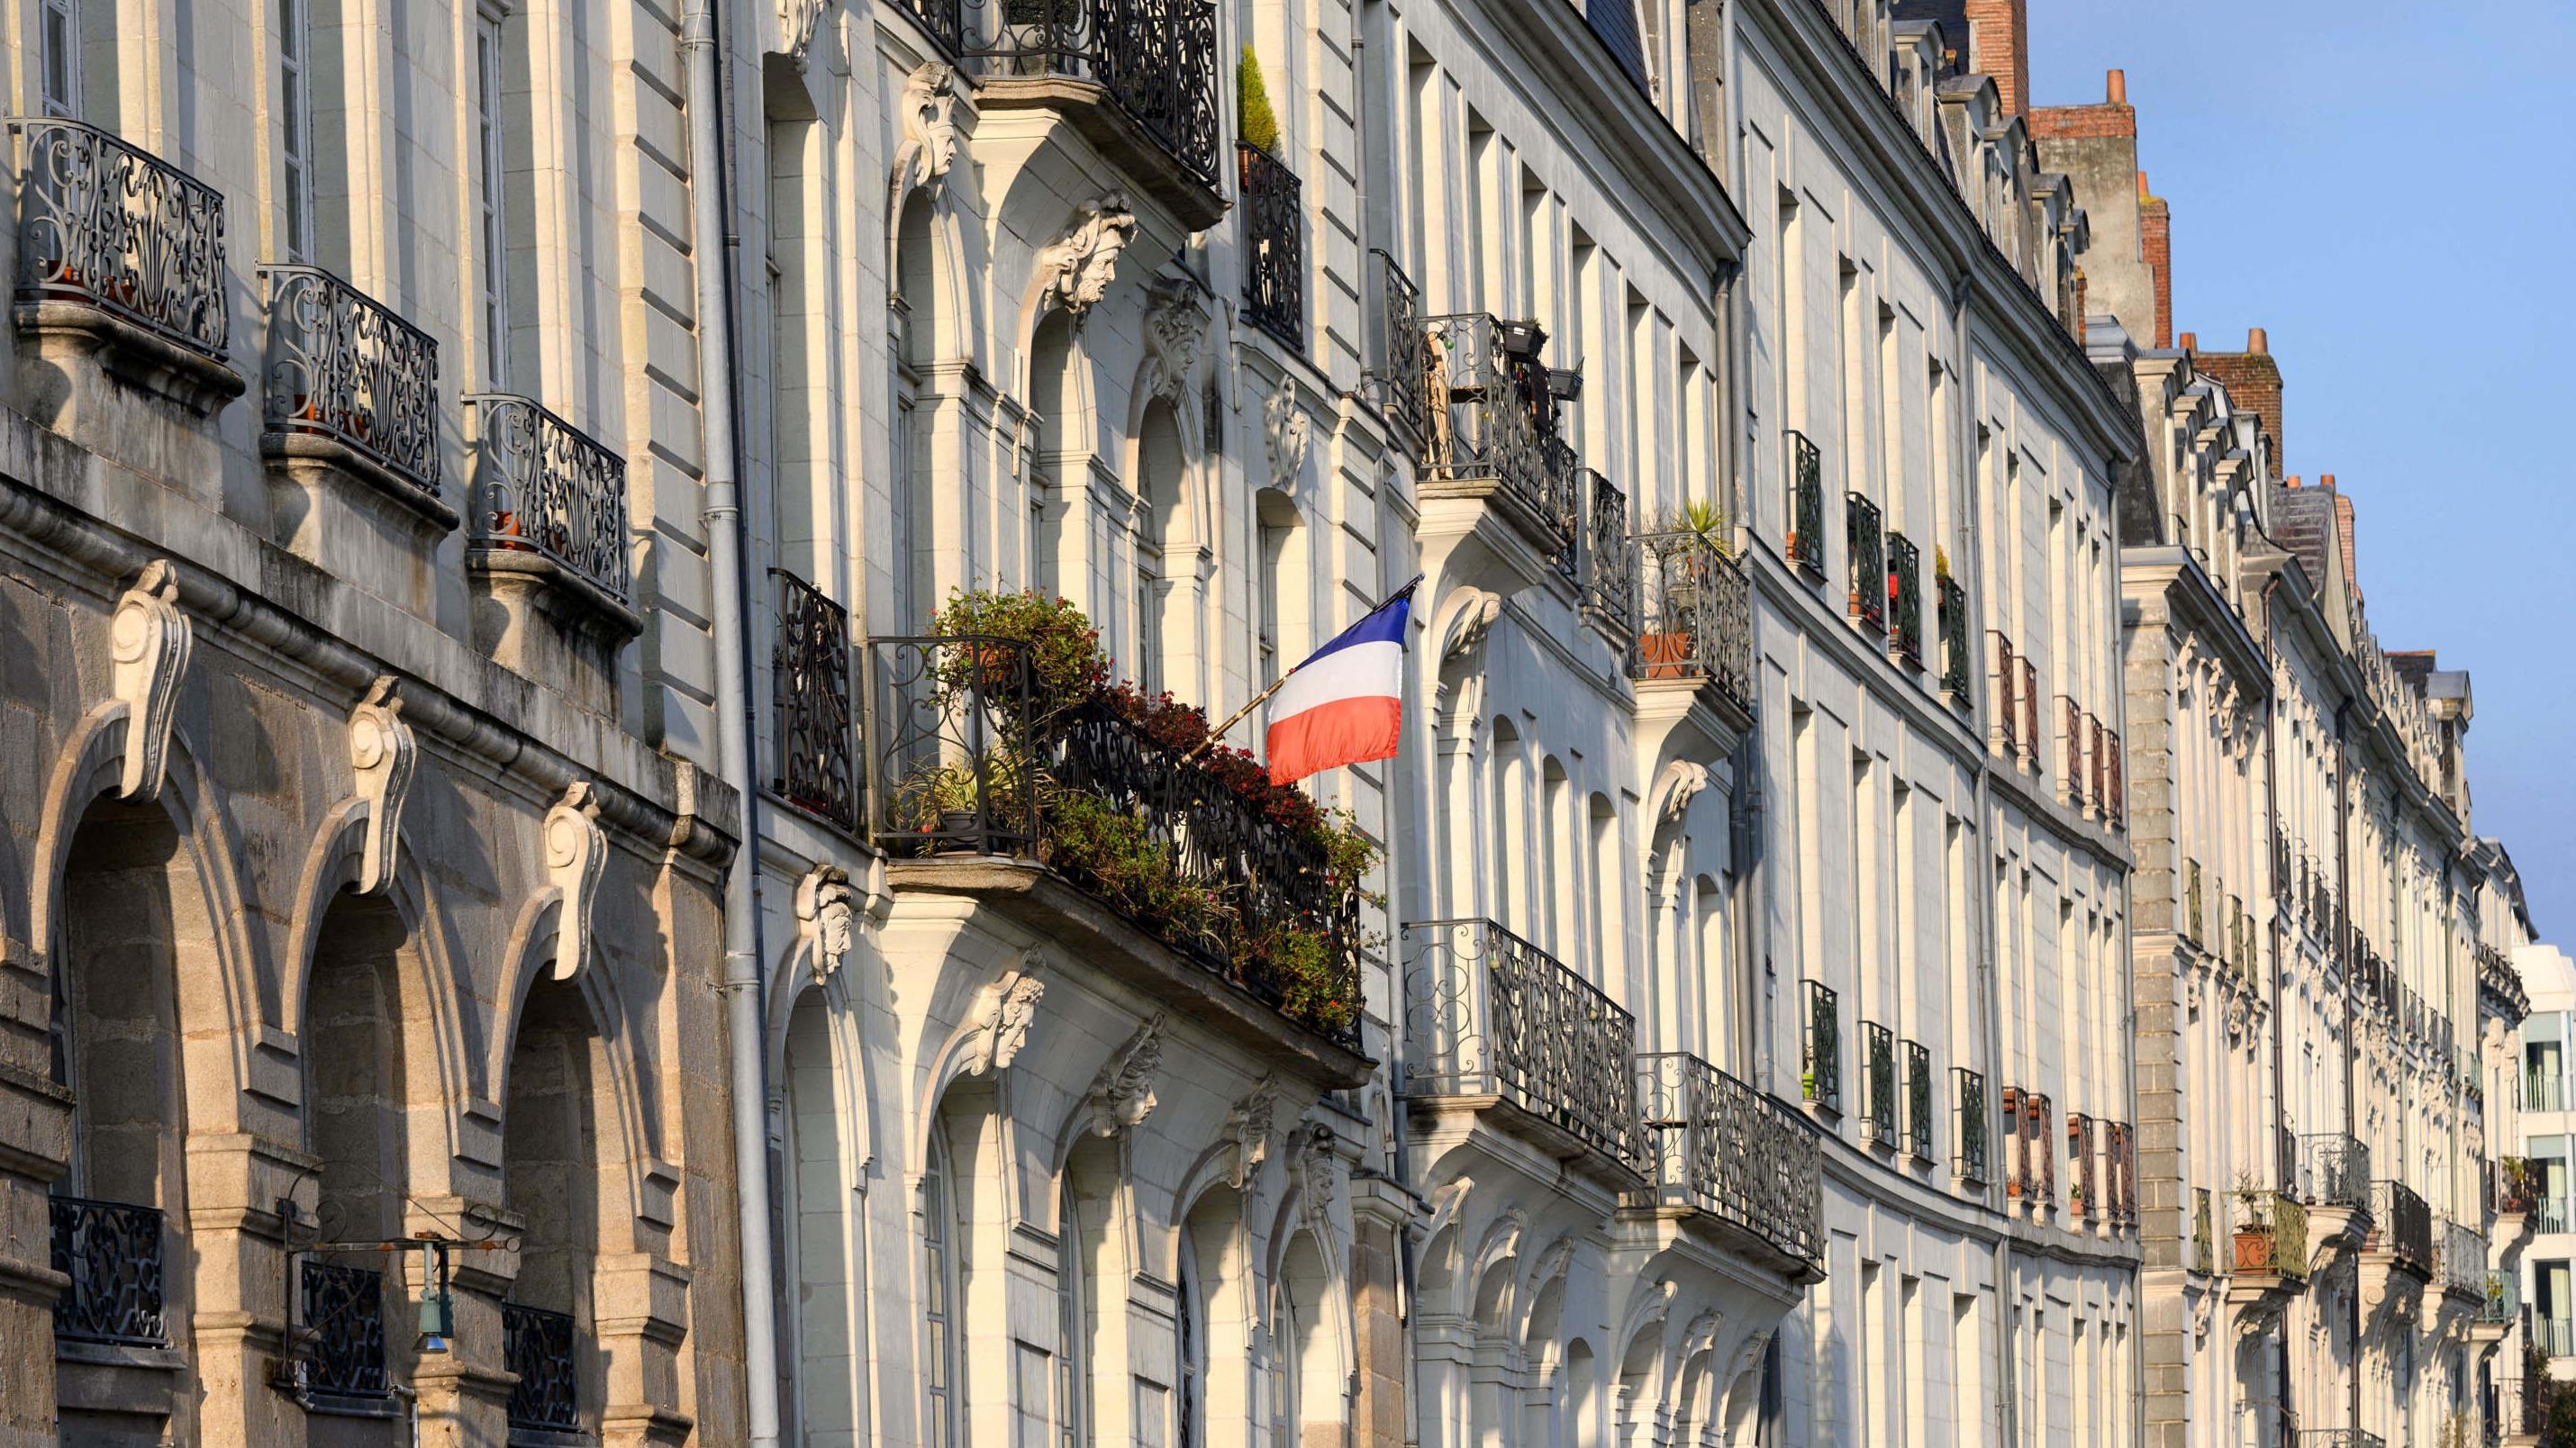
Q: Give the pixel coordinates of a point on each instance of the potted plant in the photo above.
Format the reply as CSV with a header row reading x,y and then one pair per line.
x,y
1665,642
2254,1243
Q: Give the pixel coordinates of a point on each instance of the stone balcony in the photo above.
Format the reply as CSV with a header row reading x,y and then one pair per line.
x,y
2333,1180
1501,1031
2397,1256
1690,645
1746,1165
120,266
1500,493
1049,811
2271,1254
1138,79
548,546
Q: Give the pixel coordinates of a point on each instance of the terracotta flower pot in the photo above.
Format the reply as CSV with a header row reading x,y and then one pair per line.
x,y
2253,1251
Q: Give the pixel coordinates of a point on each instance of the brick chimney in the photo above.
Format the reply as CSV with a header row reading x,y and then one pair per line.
x,y
2155,248
2253,383
1999,46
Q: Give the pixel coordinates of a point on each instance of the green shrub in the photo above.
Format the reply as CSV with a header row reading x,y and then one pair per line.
x,y
1259,124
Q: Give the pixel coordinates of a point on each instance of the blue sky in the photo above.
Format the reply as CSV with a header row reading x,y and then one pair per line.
x,y
2391,190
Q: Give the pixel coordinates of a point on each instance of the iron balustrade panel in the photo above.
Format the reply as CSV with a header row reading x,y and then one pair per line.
x,y
2029,695
1404,370
2334,1169
542,485
1611,574
1696,619
815,714
538,1346
1955,658
2337,1438
2097,763
1867,549
1905,598
2006,688
2276,1228
2460,1258
104,225
342,366
1568,541
944,19
344,1308
2402,1224
2191,904
1492,1014
951,726
1969,1089
2115,783
1806,504
1878,1080
1274,244
1722,1147
112,1254
2070,730
1821,1061
2502,1298
1156,59
1491,412
2085,1194
1918,1098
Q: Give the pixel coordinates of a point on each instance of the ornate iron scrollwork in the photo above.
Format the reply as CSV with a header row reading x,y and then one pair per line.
x,y
344,1308
1733,1152
111,1251
342,366
543,485
810,671
538,1346
106,225
1157,59
1274,245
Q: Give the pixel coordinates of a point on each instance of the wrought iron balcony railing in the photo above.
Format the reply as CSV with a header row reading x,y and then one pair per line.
x,y
2402,1225
2204,1250
2550,1216
1868,550
343,1307
1820,1065
2029,697
2500,1303
2097,766
1157,59
817,737
2271,1234
1918,1098
2516,1183
542,485
1696,615
1878,1082
966,759
2191,916
1733,1152
538,1346
2544,1091
2554,1336
1404,374
2519,1404
1492,414
1609,574
2084,1198
104,225
2007,694
343,368
1806,505
2115,781
1905,598
112,1254
1274,244
1955,657
2032,1178
2070,735
944,19
2338,1438
2460,1259
1495,1015
1968,1090
2334,1169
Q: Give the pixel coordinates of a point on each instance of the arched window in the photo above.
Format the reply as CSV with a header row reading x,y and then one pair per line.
x,y
912,335
1073,1322
938,1301
1283,1367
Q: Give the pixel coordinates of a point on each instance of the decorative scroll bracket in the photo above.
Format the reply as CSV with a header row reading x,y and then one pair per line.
x,y
382,752
576,852
149,639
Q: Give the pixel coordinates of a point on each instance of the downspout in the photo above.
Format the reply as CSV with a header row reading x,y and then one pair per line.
x,y
2343,948
2280,889
742,987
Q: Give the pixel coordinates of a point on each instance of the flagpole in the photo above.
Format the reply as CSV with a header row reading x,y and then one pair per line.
x,y
1257,700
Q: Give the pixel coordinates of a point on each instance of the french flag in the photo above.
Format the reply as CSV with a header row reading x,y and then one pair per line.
x,y
1344,705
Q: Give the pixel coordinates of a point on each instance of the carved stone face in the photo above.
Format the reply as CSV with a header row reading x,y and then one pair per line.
x,y
836,927
1091,280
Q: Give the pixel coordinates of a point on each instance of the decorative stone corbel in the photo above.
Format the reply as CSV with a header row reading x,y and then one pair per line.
x,y
929,125
1681,781
1319,1178
576,851
381,753
1285,432
798,20
1074,270
1176,328
1445,1203
1014,1010
148,641
826,907
1122,1095
1471,615
1248,1127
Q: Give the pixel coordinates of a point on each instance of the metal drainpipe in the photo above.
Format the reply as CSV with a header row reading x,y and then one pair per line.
x,y
742,987
2280,944
2343,912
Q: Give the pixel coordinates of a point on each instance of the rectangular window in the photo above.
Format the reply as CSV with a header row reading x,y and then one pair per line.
x,y
490,138
60,20
295,127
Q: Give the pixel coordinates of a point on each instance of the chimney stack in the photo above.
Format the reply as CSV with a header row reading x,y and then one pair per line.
x,y
1999,46
2325,480
2191,341
2115,88
2291,482
2257,340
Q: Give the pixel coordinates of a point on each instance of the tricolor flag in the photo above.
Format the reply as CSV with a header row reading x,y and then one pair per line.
x,y
1344,705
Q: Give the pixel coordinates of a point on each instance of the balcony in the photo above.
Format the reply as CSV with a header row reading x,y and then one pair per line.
x,y
1493,1016
1918,1097
2031,1178
1607,573
2006,682
1868,563
2333,1170
2403,1234
1403,377
1820,1064
1085,815
1724,1149
2115,781
343,1308
2460,1260
1491,417
538,1346
1695,620
2084,1196
351,389
2544,1091
2499,1308
1968,1089
2338,1438
1905,599
2518,1405
2191,914
548,513
121,254
2028,696
816,744
2271,1238
1274,245
1806,505
111,1252
1878,1084
1956,660
1137,78
2515,1184
2070,739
